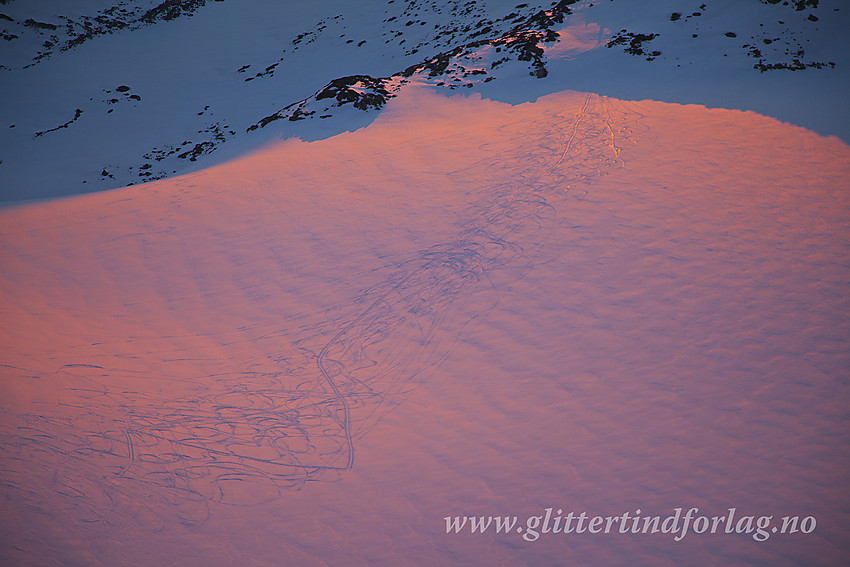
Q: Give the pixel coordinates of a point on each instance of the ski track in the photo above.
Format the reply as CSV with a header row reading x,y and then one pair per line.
x,y
248,438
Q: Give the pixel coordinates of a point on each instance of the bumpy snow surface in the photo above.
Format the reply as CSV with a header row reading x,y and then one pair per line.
x,y
468,293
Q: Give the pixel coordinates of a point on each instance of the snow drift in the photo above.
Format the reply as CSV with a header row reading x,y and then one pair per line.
x,y
313,354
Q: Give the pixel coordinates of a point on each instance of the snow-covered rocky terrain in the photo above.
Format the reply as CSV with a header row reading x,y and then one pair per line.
x,y
364,283
117,93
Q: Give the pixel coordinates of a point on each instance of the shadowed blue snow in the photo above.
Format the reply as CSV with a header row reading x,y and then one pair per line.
x,y
161,97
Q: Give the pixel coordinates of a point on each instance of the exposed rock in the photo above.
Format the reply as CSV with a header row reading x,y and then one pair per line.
x,y
633,43
77,114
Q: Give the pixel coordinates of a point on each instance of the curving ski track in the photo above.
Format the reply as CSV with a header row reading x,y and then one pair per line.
x,y
248,436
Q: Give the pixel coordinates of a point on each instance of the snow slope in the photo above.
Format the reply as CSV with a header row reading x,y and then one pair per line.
x,y
112,94
579,303
387,263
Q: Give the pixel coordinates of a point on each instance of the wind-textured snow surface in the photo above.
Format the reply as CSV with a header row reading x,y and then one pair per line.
x,y
345,270
102,94
314,354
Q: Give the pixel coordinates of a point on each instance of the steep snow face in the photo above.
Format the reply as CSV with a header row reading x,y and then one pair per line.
x,y
111,94
314,354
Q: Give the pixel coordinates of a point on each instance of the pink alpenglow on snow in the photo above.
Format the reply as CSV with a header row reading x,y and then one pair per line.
x,y
317,353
